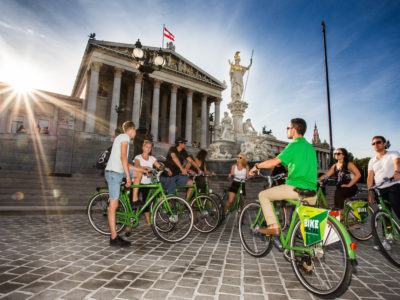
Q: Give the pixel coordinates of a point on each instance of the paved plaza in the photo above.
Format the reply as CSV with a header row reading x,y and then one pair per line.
x,y
62,257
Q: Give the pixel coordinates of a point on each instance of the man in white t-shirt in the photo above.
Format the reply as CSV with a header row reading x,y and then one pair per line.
x,y
385,164
118,168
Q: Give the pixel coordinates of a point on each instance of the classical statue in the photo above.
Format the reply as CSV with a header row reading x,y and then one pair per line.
x,y
264,130
236,73
215,152
226,127
248,128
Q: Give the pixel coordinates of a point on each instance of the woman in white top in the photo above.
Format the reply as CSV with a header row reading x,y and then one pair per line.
x,y
147,161
239,171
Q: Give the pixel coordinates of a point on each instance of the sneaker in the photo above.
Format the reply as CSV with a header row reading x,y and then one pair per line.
x,y
118,241
385,245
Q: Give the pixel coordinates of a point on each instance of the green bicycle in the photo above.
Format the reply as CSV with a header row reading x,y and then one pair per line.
x,y
357,215
171,218
386,228
317,245
206,209
238,202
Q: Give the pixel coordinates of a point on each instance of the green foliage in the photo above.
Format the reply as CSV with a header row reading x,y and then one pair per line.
x,y
362,166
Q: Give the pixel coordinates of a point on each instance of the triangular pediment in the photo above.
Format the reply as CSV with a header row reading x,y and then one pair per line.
x,y
174,62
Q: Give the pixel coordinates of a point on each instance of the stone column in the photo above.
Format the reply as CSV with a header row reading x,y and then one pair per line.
x,y
164,123
136,99
237,109
189,111
217,112
53,128
204,122
4,114
179,115
115,100
155,110
172,115
92,97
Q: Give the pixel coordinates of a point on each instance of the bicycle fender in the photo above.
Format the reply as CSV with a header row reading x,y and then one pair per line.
x,y
350,252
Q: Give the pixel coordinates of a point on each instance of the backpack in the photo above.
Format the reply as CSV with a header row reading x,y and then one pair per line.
x,y
103,158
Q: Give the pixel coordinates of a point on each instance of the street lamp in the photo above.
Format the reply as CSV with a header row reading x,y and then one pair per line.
x,y
146,63
142,59
211,125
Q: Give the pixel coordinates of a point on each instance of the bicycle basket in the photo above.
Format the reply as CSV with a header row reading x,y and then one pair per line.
x,y
313,223
361,209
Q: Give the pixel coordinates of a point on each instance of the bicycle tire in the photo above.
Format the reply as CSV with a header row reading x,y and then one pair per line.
x,y
361,230
172,219
97,212
206,214
220,203
255,243
325,261
281,213
392,238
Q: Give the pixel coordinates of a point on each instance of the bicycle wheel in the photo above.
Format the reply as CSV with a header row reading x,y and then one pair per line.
x,y
281,213
360,230
206,214
326,271
388,238
255,243
220,204
172,219
97,212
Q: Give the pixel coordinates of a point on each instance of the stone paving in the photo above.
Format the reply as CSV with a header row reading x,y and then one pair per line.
x,y
62,257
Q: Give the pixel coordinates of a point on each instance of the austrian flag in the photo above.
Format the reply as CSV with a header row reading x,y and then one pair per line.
x,y
169,34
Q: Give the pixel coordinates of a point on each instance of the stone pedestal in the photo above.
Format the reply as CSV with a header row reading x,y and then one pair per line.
x,y
237,109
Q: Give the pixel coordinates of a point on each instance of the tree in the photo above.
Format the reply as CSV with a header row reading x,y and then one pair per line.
x,y
362,166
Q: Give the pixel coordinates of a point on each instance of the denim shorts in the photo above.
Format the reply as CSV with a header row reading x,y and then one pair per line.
x,y
114,181
169,183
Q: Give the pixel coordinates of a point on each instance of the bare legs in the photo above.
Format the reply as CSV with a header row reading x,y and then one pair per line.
x,y
112,208
229,202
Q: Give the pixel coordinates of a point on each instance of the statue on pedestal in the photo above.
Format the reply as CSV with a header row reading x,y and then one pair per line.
x,y
248,128
236,73
227,128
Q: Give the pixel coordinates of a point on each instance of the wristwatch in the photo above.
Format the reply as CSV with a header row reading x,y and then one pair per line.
x,y
256,165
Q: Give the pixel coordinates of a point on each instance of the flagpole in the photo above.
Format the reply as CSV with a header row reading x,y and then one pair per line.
x,y
248,74
163,26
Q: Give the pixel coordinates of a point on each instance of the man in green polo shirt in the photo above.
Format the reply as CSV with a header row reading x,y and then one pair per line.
x,y
300,158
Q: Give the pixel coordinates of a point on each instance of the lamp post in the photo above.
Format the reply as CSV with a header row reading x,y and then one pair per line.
x,y
146,64
211,125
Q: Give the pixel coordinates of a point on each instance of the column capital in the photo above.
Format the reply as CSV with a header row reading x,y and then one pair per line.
x,y
218,100
96,66
189,93
157,83
204,97
174,88
118,72
138,77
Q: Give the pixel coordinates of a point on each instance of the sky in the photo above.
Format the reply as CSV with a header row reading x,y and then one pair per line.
x,y
43,42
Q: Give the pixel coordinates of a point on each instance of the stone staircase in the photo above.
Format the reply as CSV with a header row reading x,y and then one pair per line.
x,y
30,191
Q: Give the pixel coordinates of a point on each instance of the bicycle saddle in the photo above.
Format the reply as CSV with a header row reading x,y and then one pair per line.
x,y
305,193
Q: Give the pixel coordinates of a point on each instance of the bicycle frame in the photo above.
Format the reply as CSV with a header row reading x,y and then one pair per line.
x,y
321,196
382,207
285,239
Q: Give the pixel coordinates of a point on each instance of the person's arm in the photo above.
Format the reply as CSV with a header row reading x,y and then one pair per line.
x,y
329,173
188,165
138,167
357,175
396,174
232,171
370,183
125,164
192,162
247,172
265,165
178,163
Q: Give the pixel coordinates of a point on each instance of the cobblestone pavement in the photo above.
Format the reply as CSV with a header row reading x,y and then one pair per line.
x,y
62,257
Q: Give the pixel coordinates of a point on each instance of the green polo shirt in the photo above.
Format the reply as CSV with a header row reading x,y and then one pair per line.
x,y
301,159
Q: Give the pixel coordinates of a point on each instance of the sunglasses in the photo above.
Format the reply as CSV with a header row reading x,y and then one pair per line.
x,y
377,143
287,128
239,157
338,153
